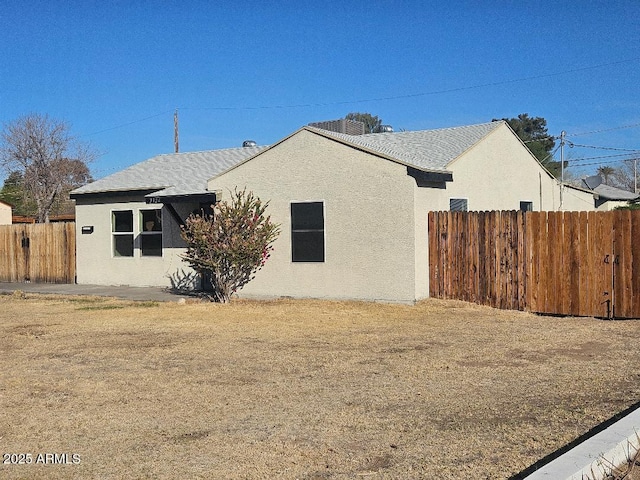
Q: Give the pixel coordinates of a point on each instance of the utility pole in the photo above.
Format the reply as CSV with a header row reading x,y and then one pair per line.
x,y
562,135
176,142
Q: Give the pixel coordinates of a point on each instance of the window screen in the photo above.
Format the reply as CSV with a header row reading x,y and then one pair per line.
x,y
458,204
307,232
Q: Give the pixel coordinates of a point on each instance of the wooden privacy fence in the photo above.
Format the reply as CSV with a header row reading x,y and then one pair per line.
x,y
38,253
565,263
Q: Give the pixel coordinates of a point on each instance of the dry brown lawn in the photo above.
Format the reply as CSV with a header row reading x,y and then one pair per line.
x,y
300,389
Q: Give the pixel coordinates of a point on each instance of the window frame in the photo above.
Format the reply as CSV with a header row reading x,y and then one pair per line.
x,y
466,204
122,233
149,233
529,204
295,232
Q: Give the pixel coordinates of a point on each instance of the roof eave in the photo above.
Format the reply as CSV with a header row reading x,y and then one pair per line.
x,y
143,191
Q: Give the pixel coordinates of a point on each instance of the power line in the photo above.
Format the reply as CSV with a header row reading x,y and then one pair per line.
x,y
422,94
634,125
592,163
395,97
635,150
604,156
127,124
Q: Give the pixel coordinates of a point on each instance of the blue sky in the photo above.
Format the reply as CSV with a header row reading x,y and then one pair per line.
x,y
116,71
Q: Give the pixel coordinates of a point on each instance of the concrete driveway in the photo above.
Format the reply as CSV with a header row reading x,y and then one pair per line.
x,y
157,294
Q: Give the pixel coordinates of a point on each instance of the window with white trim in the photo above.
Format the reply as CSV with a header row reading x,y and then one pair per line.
x,y
122,233
151,233
307,232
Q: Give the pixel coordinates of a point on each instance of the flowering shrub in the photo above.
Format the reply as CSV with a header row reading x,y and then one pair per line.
x,y
231,245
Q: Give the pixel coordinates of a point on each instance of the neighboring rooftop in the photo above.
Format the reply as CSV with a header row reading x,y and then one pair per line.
x,y
607,192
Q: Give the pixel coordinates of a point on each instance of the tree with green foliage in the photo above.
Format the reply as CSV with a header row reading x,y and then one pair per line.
x,y
533,132
13,192
48,158
632,205
230,246
372,123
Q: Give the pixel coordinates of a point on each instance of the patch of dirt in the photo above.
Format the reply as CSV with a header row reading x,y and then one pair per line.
x,y
301,389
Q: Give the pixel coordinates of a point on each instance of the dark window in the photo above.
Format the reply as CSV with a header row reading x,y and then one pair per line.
x,y
458,204
526,206
307,232
151,233
122,230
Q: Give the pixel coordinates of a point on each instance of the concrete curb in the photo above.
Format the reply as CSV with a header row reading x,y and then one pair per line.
x,y
596,457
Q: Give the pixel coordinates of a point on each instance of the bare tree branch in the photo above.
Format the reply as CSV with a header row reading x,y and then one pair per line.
x,y
49,158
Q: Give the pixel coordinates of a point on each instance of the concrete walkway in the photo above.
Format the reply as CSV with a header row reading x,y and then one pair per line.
x,y
157,294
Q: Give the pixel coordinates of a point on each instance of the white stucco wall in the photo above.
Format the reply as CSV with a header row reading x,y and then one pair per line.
x,y
376,237
496,174
369,225
5,214
95,261
499,172
612,205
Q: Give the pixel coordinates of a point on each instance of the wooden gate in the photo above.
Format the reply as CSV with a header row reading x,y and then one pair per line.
x,y
566,263
38,253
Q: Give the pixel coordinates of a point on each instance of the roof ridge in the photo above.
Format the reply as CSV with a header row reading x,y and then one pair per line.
x,y
205,151
430,129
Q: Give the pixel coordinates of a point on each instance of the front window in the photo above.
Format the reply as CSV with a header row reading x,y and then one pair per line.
x,y
307,232
122,231
151,233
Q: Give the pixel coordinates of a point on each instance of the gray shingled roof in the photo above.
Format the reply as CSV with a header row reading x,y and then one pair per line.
x,y
613,193
172,174
187,173
423,149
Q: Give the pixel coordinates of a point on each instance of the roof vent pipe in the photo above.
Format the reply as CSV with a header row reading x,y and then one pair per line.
x,y
249,143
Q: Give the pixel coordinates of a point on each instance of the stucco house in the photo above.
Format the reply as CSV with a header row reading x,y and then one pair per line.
x,y
5,213
352,208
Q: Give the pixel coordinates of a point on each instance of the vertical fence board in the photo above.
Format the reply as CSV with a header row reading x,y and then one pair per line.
x,y
607,236
572,262
482,259
473,258
622,267
493,258
567,263
38,253
533,236
635,264
585,265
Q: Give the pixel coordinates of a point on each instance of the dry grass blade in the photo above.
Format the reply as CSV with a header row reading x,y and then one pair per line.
x,y
631,470
301,389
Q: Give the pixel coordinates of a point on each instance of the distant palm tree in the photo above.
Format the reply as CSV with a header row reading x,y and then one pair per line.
x,y
606,173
